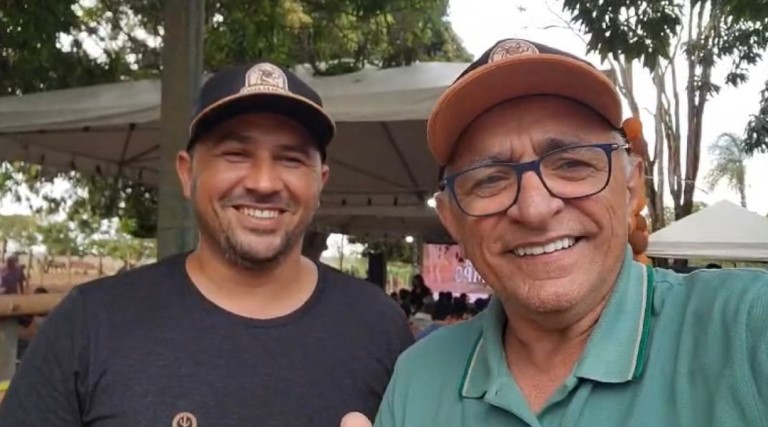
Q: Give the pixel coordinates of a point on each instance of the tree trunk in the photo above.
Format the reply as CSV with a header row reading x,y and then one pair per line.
x,y
3,249
674,177
655,185
69,266
743,194
699,84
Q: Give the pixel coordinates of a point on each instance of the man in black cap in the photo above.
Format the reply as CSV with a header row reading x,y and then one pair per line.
x,y
242,331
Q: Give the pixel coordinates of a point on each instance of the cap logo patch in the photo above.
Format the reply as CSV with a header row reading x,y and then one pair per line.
x,y
265,77
509,48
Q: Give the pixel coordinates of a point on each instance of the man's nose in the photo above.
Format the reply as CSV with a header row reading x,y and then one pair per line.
x,y
263,176
535,206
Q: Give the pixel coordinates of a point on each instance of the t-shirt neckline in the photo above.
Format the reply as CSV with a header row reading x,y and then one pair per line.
x,y
217,310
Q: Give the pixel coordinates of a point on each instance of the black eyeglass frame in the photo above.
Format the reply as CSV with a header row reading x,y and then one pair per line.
x,y
534,166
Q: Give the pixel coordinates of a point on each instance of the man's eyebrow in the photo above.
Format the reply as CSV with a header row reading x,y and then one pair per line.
x,y
485,160
302,149
547,145
232,136
243,138
554,143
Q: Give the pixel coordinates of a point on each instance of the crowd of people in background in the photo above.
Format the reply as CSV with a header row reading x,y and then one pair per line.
x,y
427,314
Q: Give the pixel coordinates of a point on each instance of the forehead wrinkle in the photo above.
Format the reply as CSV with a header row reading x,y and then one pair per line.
x,y
583,128
495,156
541,148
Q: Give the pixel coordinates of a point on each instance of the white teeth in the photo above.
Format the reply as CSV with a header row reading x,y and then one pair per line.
x,y
259,213
557,245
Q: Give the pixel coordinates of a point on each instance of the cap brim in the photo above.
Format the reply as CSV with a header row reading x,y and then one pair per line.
x,y
525,75
307,113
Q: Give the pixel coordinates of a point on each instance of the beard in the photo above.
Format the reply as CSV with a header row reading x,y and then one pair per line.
x,y
247,249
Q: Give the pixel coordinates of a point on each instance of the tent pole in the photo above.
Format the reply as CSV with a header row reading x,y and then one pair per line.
x,y
9,334
182,75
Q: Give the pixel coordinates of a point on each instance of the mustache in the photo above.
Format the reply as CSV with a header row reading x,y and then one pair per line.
x,y
252,198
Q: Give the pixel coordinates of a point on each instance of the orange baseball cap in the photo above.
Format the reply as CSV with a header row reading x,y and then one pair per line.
x,y
515,68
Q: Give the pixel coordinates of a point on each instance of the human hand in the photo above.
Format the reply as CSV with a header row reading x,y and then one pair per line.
x,y
355,419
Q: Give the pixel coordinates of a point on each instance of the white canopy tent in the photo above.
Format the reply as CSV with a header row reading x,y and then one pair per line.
x,y
381,170
724,231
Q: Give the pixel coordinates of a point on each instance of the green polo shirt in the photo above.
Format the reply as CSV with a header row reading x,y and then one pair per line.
x,y
669,350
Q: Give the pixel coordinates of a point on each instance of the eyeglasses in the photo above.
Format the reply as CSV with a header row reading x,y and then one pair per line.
x,y
567,173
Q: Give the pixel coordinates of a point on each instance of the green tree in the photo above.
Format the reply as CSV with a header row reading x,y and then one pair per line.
x,y
131,250
730,157
16,229
100,247
41,52
756,139
28,239
44,49
705,33
61,239
394,250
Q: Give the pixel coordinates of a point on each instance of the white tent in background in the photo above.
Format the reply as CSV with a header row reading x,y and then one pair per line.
x,y
724,231
381,171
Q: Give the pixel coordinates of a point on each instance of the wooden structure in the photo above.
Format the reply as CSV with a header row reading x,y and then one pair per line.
x,y
11,308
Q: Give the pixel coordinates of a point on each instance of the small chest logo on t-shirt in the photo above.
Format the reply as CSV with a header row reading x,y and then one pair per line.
x,y
184,419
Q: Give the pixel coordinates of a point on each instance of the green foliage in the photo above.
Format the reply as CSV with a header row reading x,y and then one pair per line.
x,y
112,197
646,30
44,49
639,30
35,56
756,135
705,33
128,249
730,158
394,250
61,238
20,229
76,238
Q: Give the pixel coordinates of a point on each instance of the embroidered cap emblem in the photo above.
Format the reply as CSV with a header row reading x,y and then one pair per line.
x,y
184,419
509,48
265,77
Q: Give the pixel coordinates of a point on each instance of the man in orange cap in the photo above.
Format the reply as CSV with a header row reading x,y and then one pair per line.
x,y
539,189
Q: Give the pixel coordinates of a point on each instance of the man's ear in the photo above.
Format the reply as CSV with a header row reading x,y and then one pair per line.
x,y
447,215
325,172
184,171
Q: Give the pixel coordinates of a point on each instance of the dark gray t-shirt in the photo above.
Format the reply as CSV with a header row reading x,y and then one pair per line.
x,y
145,348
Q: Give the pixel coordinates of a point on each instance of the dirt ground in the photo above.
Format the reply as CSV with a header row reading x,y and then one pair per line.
x,y
58,281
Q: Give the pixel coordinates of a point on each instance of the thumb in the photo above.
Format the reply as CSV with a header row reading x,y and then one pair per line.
x,y
355,419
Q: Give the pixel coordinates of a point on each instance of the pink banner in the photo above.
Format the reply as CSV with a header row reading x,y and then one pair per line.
x,y
444,269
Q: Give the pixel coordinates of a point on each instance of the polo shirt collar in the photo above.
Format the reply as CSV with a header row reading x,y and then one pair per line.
x,y
615,352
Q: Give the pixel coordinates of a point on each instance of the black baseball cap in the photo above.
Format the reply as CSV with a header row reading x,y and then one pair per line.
x,y
260,87
515,68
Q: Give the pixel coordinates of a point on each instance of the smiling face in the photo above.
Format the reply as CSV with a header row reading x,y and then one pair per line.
x,y
254,183
544,254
